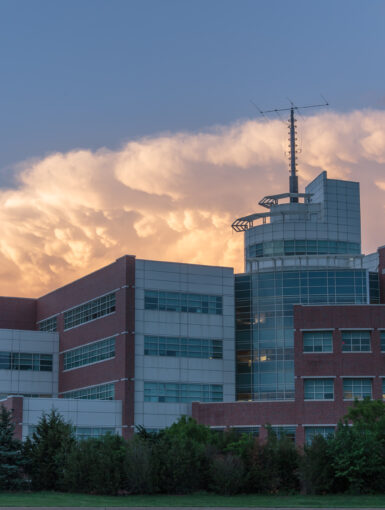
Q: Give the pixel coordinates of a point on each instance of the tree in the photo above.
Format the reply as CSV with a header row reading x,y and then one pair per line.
x,y
368,414
358,459
180,457
11,458
46,451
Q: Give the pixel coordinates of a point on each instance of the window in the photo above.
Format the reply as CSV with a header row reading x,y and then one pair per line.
x,y
324,431
301,247
319,389
374,288
28,395
250,431
356,341
382,338
180,302
357,388
101,392
317,341
87,432
25,361
89,311
383,389
285,430
175,392
91,353
48,324
183,347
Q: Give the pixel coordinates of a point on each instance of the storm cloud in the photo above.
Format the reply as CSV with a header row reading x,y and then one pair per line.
x,y
174,196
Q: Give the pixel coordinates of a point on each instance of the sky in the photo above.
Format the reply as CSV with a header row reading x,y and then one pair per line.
x,y
129,126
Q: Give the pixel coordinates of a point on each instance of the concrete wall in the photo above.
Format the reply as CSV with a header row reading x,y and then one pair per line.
x,y
187,278
80,413
29,381
332,214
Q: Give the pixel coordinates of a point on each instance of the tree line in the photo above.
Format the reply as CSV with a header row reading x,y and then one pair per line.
x,y
187,457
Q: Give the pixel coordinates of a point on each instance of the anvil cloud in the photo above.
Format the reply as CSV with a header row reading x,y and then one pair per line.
x,y
174,196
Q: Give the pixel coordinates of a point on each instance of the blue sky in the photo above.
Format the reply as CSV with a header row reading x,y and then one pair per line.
x,y
94,73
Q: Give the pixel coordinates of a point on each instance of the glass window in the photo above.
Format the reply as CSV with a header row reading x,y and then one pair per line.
x,y
26,361
250,431
374,288
101,392
181,302
176,392
90,311
301,247
319,389
382,338
357,388
356,341
183,347
311,432
317,341
286,430
87,432
264,311
383,389
48,324
91,353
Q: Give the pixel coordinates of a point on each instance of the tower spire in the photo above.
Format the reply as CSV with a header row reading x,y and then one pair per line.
x,y
293,179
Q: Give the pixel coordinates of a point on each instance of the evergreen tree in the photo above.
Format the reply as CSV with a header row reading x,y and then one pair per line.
x,y
47,450
11,459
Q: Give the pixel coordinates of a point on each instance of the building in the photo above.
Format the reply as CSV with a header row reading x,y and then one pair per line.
x,y
289,342
131,344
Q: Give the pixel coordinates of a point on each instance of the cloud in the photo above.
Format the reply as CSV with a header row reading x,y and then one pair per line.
x,y
174,197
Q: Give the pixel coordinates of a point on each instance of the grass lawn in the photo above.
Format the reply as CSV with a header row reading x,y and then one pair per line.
x,y
200,499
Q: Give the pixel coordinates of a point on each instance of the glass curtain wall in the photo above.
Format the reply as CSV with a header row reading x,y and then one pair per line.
x,y
264,323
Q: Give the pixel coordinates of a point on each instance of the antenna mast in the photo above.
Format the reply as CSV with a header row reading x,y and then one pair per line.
x,y
293,179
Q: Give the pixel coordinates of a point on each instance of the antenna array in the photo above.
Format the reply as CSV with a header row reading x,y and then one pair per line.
x,y
293,149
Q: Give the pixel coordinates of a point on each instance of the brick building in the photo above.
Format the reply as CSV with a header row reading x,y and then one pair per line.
x,y
290,342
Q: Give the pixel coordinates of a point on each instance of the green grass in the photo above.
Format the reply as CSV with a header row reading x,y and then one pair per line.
x,y
199,500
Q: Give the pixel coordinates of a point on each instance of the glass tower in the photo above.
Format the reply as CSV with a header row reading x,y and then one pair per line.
x,y
303,251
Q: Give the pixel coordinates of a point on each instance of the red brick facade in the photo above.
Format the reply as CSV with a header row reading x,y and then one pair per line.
x,y
335,365
17,313
118,277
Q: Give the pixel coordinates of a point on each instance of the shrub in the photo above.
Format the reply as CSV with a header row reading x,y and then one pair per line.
x,y
96,465
281,464
358,459
316,467
180,457
227,474
138,464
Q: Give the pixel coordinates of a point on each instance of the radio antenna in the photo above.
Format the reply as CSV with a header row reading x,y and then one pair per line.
x,y
293,148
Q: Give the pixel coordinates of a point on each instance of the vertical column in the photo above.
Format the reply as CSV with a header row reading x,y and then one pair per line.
x,y
381,273
124,389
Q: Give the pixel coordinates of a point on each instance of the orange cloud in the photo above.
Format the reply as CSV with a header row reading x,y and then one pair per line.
x,y
174,197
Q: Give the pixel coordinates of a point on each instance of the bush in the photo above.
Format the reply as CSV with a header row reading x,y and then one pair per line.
x,y
316,467
180,457
138,464
358,459
96,465
227,474
281,462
